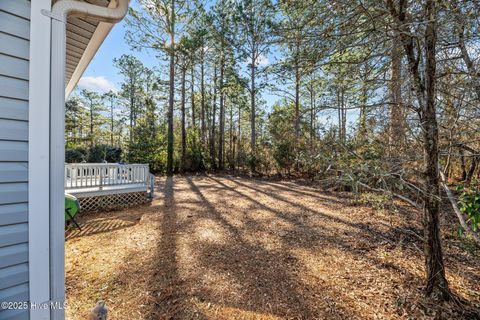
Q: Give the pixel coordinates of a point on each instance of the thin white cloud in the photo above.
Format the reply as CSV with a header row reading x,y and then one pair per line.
x,y
262,60
100,84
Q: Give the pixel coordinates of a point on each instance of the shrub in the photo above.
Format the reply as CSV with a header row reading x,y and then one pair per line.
x,y
101,153
469,203
113,154
283,153
95,154
75,155
195,159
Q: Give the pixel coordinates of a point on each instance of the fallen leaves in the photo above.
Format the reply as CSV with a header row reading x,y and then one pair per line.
x,y
218,247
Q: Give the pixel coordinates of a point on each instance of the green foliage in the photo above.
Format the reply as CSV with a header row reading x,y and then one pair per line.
x,y
194,157
253,162
157,161
104,153
94,108
149,144
113,154
151,152
75,155
284,155
282,133
96,154
309,162
75,120
135,77
469,203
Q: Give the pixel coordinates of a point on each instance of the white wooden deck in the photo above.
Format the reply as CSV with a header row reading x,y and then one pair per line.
x,y
97,179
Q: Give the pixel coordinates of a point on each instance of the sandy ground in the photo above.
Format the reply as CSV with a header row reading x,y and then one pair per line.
x,y
225,247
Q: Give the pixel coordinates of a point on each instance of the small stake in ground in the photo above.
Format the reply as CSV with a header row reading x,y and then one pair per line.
x,y
99,312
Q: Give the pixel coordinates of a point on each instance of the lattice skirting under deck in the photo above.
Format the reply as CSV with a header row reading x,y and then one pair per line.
x,y
113,201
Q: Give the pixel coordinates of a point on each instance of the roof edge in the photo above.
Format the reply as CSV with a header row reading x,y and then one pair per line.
x,y
102,31
98,37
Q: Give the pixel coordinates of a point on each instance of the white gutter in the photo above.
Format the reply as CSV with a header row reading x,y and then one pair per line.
x,y
96,40
60,11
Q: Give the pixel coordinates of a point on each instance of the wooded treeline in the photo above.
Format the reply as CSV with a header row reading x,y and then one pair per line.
x,y
377,95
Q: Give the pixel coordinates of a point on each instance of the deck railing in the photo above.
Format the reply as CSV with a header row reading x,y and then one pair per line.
x,y
90,175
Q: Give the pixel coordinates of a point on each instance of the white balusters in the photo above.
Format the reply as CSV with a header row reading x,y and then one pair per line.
x,y
88,175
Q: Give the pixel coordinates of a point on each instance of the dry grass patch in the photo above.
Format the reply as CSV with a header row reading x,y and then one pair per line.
x,y
223,247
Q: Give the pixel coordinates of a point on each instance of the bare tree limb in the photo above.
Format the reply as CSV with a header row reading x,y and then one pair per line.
x,y
457,211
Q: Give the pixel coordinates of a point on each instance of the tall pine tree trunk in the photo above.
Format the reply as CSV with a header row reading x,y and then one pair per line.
x,y
111,123
171,92
214,115
297,101
91,123
312,112
339,109
231,140
396,134
131,115
221,136
202,92
437,285
184,133
239,134
252,109
344,118
192,97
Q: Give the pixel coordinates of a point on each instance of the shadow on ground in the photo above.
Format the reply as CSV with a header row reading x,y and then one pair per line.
x,y
108,222
221,247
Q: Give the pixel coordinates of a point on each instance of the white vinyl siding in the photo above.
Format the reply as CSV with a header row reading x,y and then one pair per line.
x,y
13,67
13,130
17,8
14,75
13,109
14,25
17,47
14,275
13,88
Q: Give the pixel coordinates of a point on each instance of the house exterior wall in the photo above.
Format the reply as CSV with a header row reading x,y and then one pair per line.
x,y
31,270
14,108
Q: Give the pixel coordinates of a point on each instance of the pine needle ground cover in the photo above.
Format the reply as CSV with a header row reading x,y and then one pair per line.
x,y
227,247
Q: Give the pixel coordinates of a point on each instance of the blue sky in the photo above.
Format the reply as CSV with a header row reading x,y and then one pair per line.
x,y
102,64
101,75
